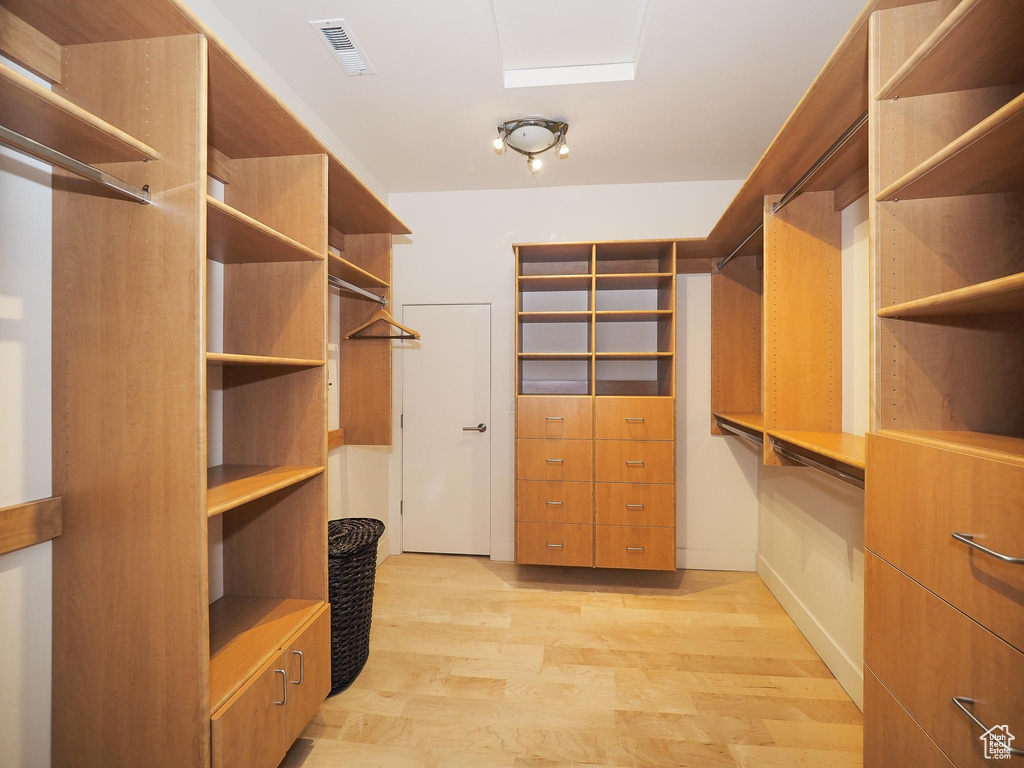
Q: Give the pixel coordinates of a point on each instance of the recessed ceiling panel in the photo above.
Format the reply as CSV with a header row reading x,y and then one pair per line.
x,y
584,40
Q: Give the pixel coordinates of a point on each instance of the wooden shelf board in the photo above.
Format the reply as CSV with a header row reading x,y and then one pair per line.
x,y
634,355
23,525
234,238
985,159
335,438
555,317
554,282
555,355
976,46
633,316
539,253
346,270
629,388
52,120
751,421
232,485
1003,295
245,632
1005,448
573,387
226,359
633,281
843,447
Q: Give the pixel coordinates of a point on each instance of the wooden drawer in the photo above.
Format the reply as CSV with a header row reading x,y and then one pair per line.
x,y
308,661
634,504
251,730
555,417
554,544
918,496
538,501
926,652
634,461
563,460
623,546
635,418
891,737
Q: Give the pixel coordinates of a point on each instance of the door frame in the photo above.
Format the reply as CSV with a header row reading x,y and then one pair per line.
x,y
490,415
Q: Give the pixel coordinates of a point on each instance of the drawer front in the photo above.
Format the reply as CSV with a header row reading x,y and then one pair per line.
x,y
623,546
919,496
891,737
251,730
554,544
308,661
634,461
555,417
635,504
926,652
635,418
562,460
538,501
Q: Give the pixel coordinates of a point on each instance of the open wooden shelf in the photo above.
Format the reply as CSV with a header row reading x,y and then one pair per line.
x,y
753,422
987,158
841,447
1006,448
24,525
975,46
223,359
633,316
55,122
235,238
244,633
232,485
555,355
346,270
554,282
556,317
634,355
1003,295
634,281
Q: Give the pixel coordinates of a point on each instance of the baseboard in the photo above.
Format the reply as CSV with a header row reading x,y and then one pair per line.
x,y
716,559
383,548
848,672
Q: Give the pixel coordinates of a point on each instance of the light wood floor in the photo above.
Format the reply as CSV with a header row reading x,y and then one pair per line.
x,y
475,664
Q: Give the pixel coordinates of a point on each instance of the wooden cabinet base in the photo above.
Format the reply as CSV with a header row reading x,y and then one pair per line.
x,y
554,544
891,737
624,546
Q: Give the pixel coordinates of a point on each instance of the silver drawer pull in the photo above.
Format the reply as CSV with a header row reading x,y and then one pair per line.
x,y
555,418
634,463
968,539
960,701
634,506
555,503
634,549
284,682
555,546
555,461
637,419
302,668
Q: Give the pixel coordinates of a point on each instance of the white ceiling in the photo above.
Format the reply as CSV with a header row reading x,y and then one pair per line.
x,y
715,81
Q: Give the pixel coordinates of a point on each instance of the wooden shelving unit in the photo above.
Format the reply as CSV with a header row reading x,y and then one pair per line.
x,y
232,485
261,361
348,271
234,238
842,447
1002,295
754,422
555,317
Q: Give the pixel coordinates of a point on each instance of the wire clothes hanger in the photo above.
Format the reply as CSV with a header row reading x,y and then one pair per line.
x,y
381,314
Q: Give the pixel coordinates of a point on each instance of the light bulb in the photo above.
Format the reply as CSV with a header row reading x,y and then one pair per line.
x,y
535,164
499,144
563,151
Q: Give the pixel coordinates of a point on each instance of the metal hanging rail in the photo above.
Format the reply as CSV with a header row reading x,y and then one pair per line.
x,y
741,433
356,289
49,155
840,142
853,480
739,247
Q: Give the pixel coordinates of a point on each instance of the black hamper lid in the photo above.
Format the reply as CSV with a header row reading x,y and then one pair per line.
x,y
352,534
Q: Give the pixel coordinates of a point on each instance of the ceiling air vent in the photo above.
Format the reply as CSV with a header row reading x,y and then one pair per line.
x,y
342,44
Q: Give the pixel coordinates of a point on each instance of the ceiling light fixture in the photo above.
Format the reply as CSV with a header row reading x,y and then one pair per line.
x,y
531,136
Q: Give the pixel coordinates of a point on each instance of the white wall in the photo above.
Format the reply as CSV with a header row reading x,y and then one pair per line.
x,y
461,252
25,579
811,526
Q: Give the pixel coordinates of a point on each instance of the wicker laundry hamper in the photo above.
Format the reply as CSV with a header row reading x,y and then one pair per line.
x,y
351,570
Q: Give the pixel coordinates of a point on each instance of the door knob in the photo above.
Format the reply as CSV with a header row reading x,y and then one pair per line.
x,y
481,427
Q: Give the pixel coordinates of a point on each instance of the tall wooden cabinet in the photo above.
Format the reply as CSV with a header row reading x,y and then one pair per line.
x,y
944,596
595,414
180,411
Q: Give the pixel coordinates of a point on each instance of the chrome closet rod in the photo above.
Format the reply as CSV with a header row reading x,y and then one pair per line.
x,y
356,289
31,147
736,431
807,462
739,247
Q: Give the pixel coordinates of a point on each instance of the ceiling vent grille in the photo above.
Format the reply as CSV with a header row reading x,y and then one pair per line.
x,y
342,44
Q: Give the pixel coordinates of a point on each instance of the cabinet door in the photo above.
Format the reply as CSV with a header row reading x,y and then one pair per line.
x,y
635,461
555,417
308,661
552,502
559,460
554,544
635,418
251,730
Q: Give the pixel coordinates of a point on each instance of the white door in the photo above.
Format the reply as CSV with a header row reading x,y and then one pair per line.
x,y
446,436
